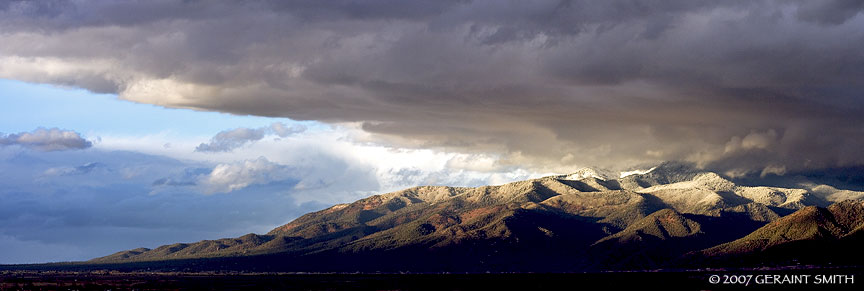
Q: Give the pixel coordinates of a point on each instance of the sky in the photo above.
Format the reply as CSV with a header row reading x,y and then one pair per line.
x,y
87,174
138,123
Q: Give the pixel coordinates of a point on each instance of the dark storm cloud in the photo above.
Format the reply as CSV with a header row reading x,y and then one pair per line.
x,y
829,12
543,83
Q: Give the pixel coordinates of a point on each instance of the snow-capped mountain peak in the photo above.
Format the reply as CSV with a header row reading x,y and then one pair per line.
x,y
587,173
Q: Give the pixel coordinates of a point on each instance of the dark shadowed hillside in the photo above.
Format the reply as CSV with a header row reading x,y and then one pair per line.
x,y
812,235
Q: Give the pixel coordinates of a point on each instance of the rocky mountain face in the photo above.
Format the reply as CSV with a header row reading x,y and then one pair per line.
x,y
671,215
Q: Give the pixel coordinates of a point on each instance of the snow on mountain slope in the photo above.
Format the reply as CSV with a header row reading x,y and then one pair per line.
x,y
636,172
589,173
709,189
833,194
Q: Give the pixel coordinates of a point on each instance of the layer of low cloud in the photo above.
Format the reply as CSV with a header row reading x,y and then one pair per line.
x,y
43,139
544,84
76,205
331,165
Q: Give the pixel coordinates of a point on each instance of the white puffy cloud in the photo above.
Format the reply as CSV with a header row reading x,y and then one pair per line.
x,y
43,139
235,176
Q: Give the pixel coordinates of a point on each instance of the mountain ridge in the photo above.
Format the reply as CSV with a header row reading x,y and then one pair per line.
x,y
563,222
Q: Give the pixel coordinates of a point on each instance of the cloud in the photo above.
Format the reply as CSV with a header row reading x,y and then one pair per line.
x,y
829,12
282,130
42,139
480,163
772,169
753,140
173,182
228,140
77,216
236,176
71,171
15,251
542,84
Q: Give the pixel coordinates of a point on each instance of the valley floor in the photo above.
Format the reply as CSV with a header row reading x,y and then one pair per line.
x,y
842,279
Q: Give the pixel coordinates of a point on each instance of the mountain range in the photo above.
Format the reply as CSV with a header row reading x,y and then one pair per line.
x,y
672,216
